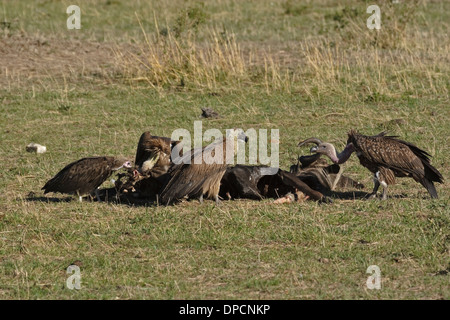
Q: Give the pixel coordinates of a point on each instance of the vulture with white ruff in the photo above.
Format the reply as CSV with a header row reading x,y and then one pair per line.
x,y
153,160
153,154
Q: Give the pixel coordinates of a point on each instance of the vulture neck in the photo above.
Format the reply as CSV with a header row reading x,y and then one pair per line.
x,y
344,155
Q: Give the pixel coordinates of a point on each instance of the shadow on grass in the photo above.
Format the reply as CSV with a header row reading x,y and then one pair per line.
x,y
106,195
360,195
110,196
49,199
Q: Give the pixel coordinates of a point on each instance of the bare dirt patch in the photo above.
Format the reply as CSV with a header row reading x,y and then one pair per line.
x,y
31,58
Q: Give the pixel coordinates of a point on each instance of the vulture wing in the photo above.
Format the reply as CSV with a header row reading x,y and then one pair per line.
x,y
391,153
292,180
194,178
189,180
82,176
431,172
402,157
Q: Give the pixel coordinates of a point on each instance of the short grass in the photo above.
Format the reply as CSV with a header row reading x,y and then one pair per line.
x,y
308,69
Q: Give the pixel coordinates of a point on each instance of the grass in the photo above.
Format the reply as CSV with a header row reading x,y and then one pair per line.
x,y
308,70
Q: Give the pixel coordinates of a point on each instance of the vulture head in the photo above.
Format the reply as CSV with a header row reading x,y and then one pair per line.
x,y
121,162
324,148
329,150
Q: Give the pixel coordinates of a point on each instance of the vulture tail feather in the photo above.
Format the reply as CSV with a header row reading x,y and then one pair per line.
x,y
432,174
430,187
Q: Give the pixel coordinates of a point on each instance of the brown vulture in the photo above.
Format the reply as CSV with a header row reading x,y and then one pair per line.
x,y
84,176
153,160
153,154
199,174
386,157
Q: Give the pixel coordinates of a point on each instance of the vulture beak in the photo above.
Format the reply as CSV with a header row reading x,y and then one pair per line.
x,y
127,164
313,149
310,140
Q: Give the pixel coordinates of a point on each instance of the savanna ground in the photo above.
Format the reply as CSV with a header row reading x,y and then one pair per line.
x,y
307,68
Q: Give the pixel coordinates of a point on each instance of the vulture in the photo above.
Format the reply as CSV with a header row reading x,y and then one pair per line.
x,y
387,158
153,154
84,176
198,175
153,160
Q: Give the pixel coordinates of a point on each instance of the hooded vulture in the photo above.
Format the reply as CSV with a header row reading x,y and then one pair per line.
x,y
387,158
84,176
201,170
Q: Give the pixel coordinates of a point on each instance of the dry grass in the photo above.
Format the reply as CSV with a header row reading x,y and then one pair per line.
x,y
355,63
307,69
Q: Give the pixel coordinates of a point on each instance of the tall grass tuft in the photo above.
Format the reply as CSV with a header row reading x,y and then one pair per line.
x,y
352,61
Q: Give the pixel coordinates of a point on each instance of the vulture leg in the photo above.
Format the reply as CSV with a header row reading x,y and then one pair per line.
x,y
382,180
201,198
384,197
217,200
375,188
80,198
97,195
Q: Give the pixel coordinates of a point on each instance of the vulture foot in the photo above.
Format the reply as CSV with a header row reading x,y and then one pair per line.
x,y
217,200
326,200
370,196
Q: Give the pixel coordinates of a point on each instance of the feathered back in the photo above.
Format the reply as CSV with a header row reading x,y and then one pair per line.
x,y
84,175
198,177
404,158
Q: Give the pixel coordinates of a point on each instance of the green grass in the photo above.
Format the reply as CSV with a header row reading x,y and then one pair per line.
x,y
310,70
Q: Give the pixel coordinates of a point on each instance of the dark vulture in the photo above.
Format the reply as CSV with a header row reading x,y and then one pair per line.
x,y
198,178
84,176
387,158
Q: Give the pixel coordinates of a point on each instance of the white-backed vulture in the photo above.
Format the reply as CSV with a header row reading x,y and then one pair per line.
x,y
84,176
387,158
199,178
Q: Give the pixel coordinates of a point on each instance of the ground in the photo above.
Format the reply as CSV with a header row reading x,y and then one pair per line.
x,y
308,69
